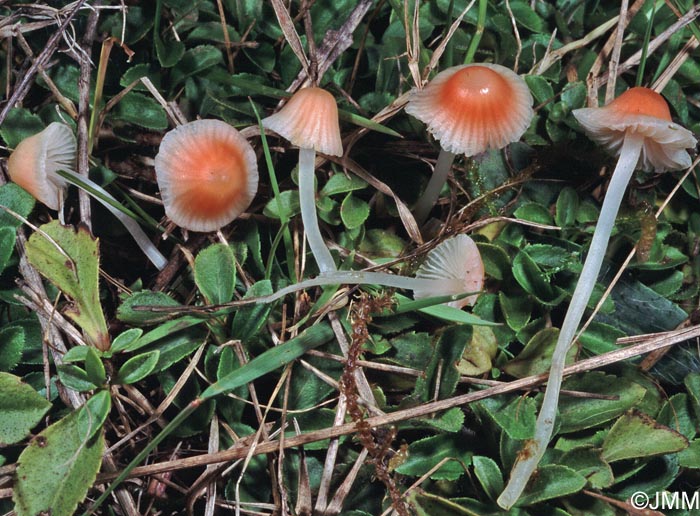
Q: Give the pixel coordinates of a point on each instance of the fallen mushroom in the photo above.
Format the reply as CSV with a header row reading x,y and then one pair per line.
x,y
35,164
469,109
207,174
637,127
309,120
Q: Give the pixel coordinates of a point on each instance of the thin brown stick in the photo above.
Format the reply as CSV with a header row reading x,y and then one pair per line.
x,y
654,342
83,58
25,82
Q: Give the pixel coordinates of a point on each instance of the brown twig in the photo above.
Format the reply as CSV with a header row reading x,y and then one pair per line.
x,y
25,82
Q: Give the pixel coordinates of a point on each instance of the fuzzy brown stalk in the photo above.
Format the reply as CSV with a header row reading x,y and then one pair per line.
x,y
378,445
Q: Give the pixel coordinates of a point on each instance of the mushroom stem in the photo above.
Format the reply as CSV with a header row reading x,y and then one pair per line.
x,y
432,191
307,202
527,462
359,278
108,201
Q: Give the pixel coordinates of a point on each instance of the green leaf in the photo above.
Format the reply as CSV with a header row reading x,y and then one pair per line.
x,y
177,346
125,340
636,435
249,319
57,468
567,208
496,260
489,476
552,481
75,378
168,54
516,310
7,246
540,88
536,357
138,367
342,183
215,273
16,199
195,61
580,413
127,314
534,212
11,347
138,109
70,259
19,124
479,353
690,457
531,277
526,17
424,454
94,367
587,461
516,417
93,414
286,203
271,359
675,414
353,211
21,408
441,370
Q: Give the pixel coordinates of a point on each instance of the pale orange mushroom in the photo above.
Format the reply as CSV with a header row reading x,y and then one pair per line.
x,y
35,166
469,109
309,120
636,126
207,173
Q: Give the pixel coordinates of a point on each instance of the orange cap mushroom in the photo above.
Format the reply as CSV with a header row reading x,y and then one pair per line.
x,y
473,108
309,120
637,127
644,112
207,174
34,163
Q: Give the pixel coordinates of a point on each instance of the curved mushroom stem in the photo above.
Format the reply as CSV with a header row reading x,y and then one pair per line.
x,y
359,278
535,448
108,201
432,191
307,202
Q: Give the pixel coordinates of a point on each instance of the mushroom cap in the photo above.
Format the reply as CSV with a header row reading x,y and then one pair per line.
x,y
473,108
34,163
309,120
642,111
457,263
207,174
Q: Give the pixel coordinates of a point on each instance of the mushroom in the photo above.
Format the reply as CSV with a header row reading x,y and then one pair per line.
x,y
309,120
637,127
35,165
452,268
207,173
456,264
469,109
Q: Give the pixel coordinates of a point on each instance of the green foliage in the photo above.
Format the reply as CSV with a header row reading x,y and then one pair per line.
x,y
531,209
57,468
21,408
70,259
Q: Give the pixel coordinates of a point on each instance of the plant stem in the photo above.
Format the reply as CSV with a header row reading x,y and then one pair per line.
x,y
476,38
432,191
307,201
534,449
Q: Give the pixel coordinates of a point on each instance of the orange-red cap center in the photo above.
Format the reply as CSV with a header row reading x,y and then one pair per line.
x,y
477,97
474,84
641,101
214,175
